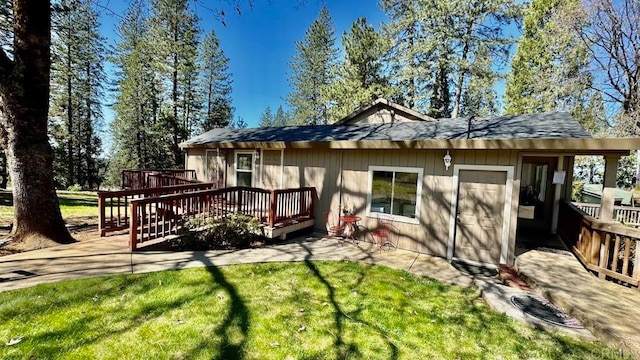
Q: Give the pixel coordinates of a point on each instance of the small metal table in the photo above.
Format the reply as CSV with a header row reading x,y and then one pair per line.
x,y
351,225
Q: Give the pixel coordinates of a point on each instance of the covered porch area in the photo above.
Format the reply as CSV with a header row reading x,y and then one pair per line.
x,y
548,219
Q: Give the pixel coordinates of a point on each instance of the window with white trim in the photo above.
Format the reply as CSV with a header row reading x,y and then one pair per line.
x,y
395,191
244,169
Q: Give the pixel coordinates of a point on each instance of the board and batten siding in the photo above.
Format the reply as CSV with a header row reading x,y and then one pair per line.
x,y
341,179
319,169
271,169
196,160
377,116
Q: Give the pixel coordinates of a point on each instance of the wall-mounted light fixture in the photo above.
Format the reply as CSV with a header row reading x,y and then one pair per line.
x,y
447,160
256,153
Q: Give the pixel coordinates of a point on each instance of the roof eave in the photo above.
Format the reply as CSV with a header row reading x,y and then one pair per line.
x,y
578,146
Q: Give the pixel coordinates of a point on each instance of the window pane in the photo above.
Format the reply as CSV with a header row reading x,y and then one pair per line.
x,y
244,161
243,179
381,192
405,194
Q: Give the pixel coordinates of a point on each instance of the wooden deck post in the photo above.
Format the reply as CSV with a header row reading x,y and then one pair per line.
x,y
101,214
312,208
609,187
636,265
133,226
604,254
272,208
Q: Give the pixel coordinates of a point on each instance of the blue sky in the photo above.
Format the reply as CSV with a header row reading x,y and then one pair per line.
x,y
260,42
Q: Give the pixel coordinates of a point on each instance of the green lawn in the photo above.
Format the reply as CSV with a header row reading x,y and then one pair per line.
x,y
310,310
72,203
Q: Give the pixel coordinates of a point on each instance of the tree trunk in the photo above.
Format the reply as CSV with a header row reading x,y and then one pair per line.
x,y
70,134
24,88
462,71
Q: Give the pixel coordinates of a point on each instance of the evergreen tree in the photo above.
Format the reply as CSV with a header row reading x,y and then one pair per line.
x,y
76,94
549,69
216,82
174,31
439,48
139,138
409,77
24,97
480,98
267,118
312,72
360,76
281,118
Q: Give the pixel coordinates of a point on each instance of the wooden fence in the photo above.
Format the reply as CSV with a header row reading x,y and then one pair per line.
x,y
139,179
627,215
114,205
160,216
609,249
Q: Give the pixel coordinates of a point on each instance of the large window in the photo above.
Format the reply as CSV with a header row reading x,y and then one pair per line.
x,y
244,169
395,191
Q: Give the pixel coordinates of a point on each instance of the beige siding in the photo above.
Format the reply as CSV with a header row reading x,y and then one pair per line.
x,y
319,169
196,160
271,169
322,170
341,177
376,116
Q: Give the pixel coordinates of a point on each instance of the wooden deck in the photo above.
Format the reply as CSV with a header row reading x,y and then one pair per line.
x,y
606,248
151,214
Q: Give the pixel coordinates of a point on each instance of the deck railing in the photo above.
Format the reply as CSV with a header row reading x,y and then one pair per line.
x,y
160,216
114,205
139,179
161,180
609,249
625,214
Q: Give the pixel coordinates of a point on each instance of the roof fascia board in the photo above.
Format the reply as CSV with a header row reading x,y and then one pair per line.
x,y
576,146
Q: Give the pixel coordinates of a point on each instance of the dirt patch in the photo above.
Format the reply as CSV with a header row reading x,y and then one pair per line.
x,y
81,228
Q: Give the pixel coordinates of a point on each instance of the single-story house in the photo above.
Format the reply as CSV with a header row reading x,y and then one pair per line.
x,y
452,187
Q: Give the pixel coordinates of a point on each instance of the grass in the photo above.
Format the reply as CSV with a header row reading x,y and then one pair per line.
x,y
310,310
72,203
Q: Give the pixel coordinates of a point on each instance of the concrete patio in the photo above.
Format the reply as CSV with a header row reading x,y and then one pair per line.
x,y
609,311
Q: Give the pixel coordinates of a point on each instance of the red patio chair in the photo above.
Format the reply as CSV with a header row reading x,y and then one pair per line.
x,y
383,234
333,229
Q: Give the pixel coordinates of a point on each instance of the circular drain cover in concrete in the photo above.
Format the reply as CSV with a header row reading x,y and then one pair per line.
x,y
542,309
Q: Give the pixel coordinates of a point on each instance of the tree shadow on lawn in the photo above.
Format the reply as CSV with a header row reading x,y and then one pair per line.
x,y
237,316
343,349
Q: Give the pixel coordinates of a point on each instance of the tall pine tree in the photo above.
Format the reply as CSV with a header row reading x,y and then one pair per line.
x,y
216,82
404,31
266,118
549,71
76,94
175,34
312,72
438,49
139,139
360,75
